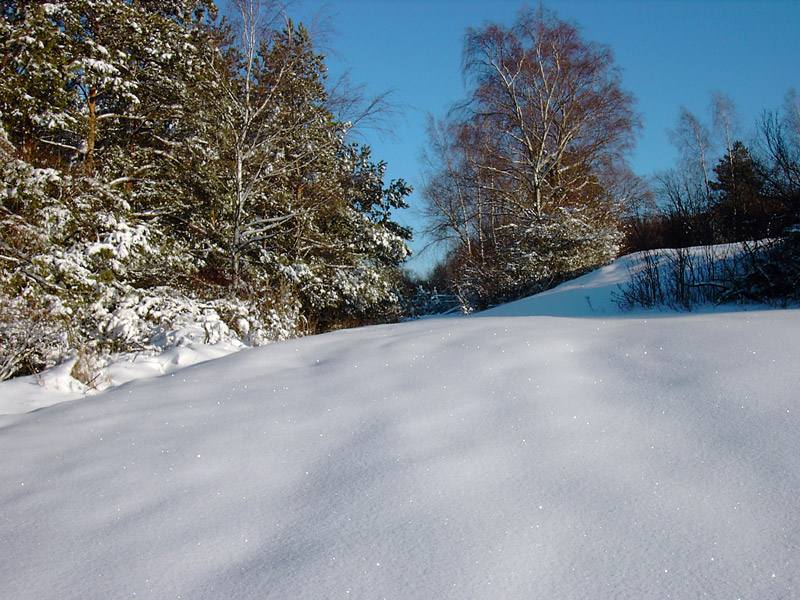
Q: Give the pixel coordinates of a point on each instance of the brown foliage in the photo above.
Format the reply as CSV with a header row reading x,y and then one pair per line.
x,y
534,160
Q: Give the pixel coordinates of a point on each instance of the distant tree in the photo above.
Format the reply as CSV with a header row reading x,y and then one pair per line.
x,y
725,120
740,209
750,194
687,189
688,195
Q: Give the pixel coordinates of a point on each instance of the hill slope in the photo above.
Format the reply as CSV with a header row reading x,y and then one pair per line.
x,y
625,456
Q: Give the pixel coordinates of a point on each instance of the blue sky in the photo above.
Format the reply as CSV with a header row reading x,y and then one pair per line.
x,y
672,53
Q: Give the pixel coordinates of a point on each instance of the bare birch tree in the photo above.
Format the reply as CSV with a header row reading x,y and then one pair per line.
x,y
547,122
254,73
779,149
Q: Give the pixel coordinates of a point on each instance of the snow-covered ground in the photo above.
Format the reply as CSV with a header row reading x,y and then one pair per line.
x,y
24,394
550,448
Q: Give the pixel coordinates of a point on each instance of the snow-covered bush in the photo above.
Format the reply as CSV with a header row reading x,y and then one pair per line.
x,y
773,275
161,318
32,314
422,301
32,334
525,260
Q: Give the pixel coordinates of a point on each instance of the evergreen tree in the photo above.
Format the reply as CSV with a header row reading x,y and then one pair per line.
x,y
741,211
306,218
87,126
160,174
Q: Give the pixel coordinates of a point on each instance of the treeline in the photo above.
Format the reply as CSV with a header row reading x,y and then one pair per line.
x,y
723,190
164,168
729,185
528,183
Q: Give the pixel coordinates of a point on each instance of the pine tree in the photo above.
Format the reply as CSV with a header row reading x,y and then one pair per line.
x,y
158,174
90,102
742,212
305,224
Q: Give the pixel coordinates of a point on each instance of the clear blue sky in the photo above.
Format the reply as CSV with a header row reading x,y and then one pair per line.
x,y
672,53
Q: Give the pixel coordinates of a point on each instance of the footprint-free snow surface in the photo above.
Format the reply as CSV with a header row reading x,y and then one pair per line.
x,y
576,452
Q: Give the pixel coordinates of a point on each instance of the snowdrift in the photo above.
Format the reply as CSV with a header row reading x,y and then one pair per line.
x,y
550,448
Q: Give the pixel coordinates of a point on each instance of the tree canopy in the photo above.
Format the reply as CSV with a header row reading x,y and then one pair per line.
x,y
523,176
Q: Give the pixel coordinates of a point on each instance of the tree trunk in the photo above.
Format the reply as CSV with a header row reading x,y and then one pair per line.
x,y
538,202
237,217
92,136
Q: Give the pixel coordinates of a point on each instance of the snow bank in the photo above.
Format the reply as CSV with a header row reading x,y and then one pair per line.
x,y
24,394
589,295
625,456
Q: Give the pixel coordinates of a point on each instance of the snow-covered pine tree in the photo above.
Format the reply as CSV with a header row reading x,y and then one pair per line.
x,y
301,225
162,174
92,103
346,258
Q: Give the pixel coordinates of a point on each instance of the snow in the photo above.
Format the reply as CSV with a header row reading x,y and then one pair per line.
x,y
56,385
590,295
551,448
